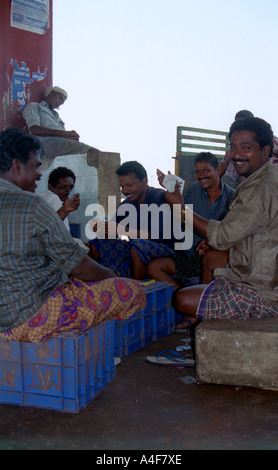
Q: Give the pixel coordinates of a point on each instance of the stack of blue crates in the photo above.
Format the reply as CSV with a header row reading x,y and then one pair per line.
x,y
156,321
64,373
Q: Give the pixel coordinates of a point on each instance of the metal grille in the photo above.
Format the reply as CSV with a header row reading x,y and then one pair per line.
x,y
190,142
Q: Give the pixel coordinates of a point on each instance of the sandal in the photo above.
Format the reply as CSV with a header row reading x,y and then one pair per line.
x,y
170,358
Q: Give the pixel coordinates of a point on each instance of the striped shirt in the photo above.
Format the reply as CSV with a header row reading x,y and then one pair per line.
x,y
37,253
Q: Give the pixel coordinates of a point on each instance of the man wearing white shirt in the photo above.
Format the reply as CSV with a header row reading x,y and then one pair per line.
x,y
44,122
60,184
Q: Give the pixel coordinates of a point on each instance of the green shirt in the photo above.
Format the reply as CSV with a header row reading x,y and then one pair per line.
x,y
37,253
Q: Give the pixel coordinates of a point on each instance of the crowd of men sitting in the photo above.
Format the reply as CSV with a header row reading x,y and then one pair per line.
x,y
51,282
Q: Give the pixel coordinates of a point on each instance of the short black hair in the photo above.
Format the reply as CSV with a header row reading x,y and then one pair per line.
x,y
263,131
15,143
243,113
60,172
132,167
207,157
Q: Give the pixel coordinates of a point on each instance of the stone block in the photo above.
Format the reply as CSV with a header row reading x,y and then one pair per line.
x,y
238,352
108,181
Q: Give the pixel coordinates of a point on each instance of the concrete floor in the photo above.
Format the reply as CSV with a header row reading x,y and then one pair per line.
x,y
148,407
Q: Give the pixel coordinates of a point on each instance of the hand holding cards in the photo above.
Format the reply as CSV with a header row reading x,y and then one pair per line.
x,y
169,182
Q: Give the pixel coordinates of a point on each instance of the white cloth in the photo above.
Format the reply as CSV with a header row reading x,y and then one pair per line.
x,y
39,114
56,203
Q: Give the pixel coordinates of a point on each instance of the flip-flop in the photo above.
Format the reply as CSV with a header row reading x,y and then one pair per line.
x,y
170,358
184,331
186,346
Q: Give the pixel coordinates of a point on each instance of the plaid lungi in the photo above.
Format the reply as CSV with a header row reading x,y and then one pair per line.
x,y
223,299
79,306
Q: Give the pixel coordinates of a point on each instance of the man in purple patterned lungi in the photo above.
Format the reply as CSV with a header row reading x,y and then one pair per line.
x,y
47,282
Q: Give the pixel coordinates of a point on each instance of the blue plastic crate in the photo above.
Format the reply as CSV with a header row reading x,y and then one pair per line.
x,y
129,335
148,328
63,374
133,333
154,322
160,294
119,339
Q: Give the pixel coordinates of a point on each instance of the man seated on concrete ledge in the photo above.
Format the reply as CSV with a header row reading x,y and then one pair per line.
x,y
61,182
45,123
47,282
245,280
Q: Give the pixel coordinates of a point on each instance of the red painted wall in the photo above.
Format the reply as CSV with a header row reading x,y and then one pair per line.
x,y
25,64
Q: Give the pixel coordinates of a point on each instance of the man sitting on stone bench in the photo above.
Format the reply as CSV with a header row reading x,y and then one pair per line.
x,y
45,123
245,282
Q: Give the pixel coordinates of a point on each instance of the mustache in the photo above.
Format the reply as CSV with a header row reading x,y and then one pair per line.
x,y
236,160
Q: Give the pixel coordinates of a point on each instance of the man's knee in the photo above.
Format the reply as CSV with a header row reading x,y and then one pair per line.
x,y
153,267
162,265
213,259
188,298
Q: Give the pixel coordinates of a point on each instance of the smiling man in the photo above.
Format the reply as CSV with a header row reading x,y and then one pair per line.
x,y
44,122
61,182
246,286
47,282
211,198
130,258
19,168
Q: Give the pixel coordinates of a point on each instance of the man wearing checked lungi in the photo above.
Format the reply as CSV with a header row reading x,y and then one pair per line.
x,y
243,247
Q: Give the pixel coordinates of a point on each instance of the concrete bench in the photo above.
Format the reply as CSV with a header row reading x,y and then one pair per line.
x,y
238,352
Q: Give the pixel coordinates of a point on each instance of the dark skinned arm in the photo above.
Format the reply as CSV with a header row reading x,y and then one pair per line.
x,y
199,223
47,132
90,270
